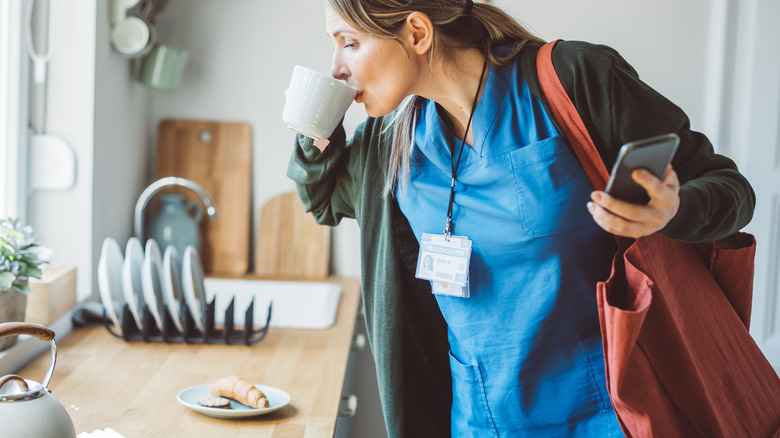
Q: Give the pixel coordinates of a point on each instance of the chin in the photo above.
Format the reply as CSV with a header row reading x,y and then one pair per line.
x,y
375,111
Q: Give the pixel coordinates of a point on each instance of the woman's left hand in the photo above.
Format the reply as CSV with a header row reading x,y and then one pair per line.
x,y
632,220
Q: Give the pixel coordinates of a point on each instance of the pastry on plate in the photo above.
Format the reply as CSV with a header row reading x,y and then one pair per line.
x,y
239,390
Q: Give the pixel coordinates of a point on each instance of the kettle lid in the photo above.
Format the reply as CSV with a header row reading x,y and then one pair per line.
x,y
15,388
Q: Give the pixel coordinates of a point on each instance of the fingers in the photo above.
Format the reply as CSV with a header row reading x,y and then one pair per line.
x,y
661,193
321,144
631,220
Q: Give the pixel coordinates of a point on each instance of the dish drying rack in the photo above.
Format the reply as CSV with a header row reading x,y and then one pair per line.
x,y
190,333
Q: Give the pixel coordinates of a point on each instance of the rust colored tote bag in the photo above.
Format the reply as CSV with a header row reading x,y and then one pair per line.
x,y
680,361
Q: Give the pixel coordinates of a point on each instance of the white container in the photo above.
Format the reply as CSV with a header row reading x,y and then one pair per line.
x,y
316,103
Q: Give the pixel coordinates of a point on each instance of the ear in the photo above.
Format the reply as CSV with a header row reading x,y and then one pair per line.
x,y
417,33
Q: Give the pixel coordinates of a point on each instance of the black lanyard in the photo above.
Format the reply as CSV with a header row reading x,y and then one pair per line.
x,y
455,164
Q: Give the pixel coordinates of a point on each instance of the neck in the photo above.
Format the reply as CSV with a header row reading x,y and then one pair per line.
x,y
453,87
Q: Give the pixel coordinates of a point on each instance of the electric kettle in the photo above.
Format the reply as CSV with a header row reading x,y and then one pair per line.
x,y
27,408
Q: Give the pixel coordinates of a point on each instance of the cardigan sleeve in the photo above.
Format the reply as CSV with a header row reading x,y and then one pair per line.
x,y
617,107
326,180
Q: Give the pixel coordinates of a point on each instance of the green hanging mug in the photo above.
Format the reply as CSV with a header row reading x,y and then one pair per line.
x,y
163,67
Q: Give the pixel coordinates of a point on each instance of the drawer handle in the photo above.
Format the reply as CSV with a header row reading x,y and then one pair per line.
x,y
352,402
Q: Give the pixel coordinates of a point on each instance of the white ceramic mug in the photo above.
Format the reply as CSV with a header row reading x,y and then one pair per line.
x,y
316,103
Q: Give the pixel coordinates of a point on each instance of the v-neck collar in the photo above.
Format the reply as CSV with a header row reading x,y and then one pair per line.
x,y
433,138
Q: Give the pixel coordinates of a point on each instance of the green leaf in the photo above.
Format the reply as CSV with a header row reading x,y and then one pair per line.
x,y
31,272
23,288
6,280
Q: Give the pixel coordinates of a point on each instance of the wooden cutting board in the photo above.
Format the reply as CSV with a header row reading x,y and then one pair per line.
x,y
218,157
291,244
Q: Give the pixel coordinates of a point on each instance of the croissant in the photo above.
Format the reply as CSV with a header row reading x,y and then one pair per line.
x,y
239,390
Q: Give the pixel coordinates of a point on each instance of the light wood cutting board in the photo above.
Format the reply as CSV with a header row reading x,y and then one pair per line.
x,y
290,242
218,157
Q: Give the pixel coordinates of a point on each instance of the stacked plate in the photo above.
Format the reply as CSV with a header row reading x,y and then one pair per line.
x,y
144,276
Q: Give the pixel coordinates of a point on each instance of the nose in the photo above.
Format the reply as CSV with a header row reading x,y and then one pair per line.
x,y
338,69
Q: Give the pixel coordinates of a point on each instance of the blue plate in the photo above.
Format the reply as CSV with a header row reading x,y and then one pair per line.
x,y
189,397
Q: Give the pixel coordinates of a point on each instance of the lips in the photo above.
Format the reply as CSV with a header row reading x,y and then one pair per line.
x,y
359,97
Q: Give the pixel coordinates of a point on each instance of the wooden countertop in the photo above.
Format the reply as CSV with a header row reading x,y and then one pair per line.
x,y
131,387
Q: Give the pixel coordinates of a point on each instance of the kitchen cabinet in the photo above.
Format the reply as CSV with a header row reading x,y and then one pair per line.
x,y
367,420
131,387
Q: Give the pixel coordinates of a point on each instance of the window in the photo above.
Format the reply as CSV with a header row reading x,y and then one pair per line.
x,y
13,110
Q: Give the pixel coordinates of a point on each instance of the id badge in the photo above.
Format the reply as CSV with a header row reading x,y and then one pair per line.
x,y
444,261
451,289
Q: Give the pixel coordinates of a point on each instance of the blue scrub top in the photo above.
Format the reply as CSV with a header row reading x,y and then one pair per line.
x,y
525,348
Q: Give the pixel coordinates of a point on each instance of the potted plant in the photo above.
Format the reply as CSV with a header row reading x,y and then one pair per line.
x,y
21,258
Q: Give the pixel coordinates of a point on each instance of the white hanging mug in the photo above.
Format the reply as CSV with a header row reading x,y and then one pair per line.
x,y
131,36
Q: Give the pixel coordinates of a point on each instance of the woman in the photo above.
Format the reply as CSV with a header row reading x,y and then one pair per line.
x,y
459,138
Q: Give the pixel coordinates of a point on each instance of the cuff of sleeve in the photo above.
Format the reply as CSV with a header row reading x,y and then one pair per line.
x,y
683,224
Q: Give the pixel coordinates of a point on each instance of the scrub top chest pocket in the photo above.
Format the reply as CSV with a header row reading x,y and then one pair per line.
x,y
551,194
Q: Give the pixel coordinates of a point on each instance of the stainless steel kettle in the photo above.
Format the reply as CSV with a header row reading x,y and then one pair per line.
x,y
27,408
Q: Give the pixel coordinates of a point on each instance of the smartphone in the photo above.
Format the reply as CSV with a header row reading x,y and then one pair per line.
x,y
653,154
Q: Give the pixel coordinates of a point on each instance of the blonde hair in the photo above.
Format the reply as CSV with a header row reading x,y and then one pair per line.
x,y
484,27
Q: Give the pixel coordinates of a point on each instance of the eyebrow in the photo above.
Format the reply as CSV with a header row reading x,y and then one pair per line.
x,y
338,32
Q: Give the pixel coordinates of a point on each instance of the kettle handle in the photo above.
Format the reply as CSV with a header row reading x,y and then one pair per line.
x,y
38,331
21,328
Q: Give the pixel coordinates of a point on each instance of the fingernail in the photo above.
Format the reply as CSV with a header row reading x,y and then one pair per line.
x,y
591,207
596,196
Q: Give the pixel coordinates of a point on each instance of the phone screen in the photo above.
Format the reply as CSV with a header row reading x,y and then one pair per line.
x,y
653,154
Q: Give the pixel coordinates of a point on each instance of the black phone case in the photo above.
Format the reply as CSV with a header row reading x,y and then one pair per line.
x,y
653,154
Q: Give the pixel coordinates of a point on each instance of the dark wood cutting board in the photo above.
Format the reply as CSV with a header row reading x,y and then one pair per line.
x,y
218,157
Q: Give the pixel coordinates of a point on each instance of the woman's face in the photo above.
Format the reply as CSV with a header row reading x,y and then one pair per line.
x,y
379,69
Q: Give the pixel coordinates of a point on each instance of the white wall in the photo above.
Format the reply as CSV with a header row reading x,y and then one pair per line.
x,y
756,124
101,113
63,219
666,41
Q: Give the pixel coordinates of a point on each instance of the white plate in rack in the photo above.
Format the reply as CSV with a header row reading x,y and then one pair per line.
x,y
131,279
152,282
171,284
110,281
192,285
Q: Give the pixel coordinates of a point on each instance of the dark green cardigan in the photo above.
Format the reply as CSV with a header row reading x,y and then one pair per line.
x,y
406,330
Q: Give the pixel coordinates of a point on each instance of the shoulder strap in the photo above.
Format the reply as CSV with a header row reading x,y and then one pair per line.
x,y
569,119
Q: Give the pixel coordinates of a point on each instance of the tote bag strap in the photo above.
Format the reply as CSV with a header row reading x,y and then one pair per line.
x,y
566,114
